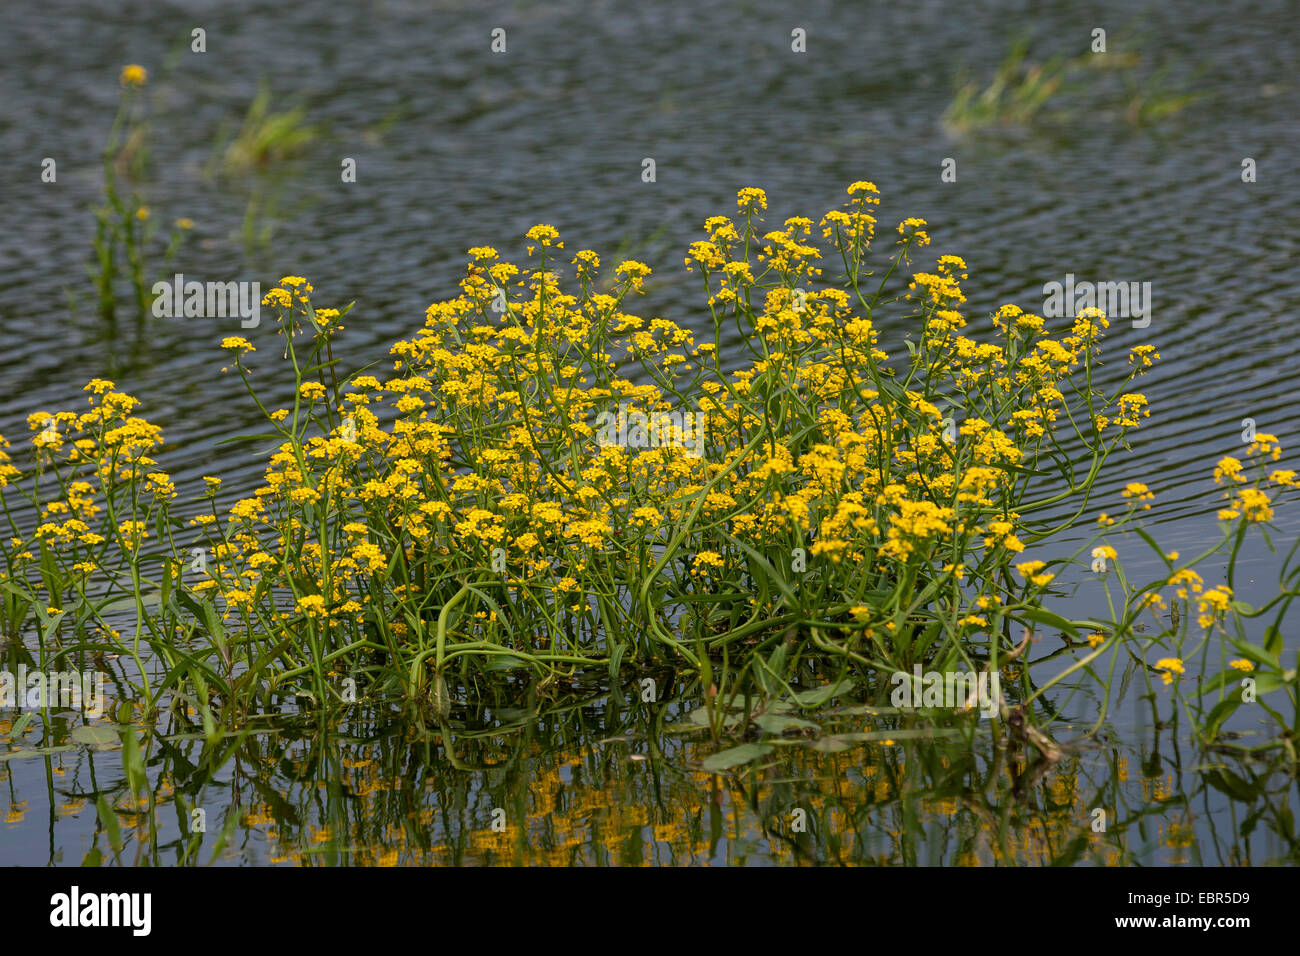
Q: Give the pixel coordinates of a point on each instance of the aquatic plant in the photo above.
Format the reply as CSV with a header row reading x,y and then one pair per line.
x,y
1022,90
124,226
546,483
1019,90
1154,98
266,136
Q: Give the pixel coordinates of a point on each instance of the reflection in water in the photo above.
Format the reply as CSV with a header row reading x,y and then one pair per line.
x,y
595,778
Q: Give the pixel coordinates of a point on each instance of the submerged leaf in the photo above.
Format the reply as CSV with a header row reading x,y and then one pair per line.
x,y
735,756
98,735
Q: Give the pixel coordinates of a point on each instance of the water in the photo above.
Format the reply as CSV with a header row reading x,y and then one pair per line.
x,y
455,147
593,779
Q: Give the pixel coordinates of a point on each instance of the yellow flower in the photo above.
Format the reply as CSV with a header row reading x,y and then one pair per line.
x,y
1228,467
633,271
1138,491
751,198
1029,570
312,605
1242,664
1285,477
1213,605
545,235
706,559
1169,666
161,484
917,227
278,297
1254,504
1143,356
133,75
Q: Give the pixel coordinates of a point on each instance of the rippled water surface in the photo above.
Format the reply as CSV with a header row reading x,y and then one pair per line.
x,y
457,147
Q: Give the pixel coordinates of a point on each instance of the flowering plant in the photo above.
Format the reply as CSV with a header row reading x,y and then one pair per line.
x,y
839,509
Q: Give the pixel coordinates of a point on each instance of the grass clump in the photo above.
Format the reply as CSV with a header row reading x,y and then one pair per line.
x,y
267,136
1018,92
1023,91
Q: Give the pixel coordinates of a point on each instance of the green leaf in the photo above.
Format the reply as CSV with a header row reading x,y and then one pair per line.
x,y
213,622
96,735
109,819
699,717
1273,641
817,696
1041,615
1231,784
780,723
1219,714
834,743
1222,679
735,757
133,762
49,570
911,734
20,725
1285,823
1268,681
928,637
167,569
1256,653
35,752
615,660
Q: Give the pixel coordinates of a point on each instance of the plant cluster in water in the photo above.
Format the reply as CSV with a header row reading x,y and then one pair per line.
x,y
468,517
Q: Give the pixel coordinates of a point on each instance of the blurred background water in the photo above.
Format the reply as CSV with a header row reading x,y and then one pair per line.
x,y
457,146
